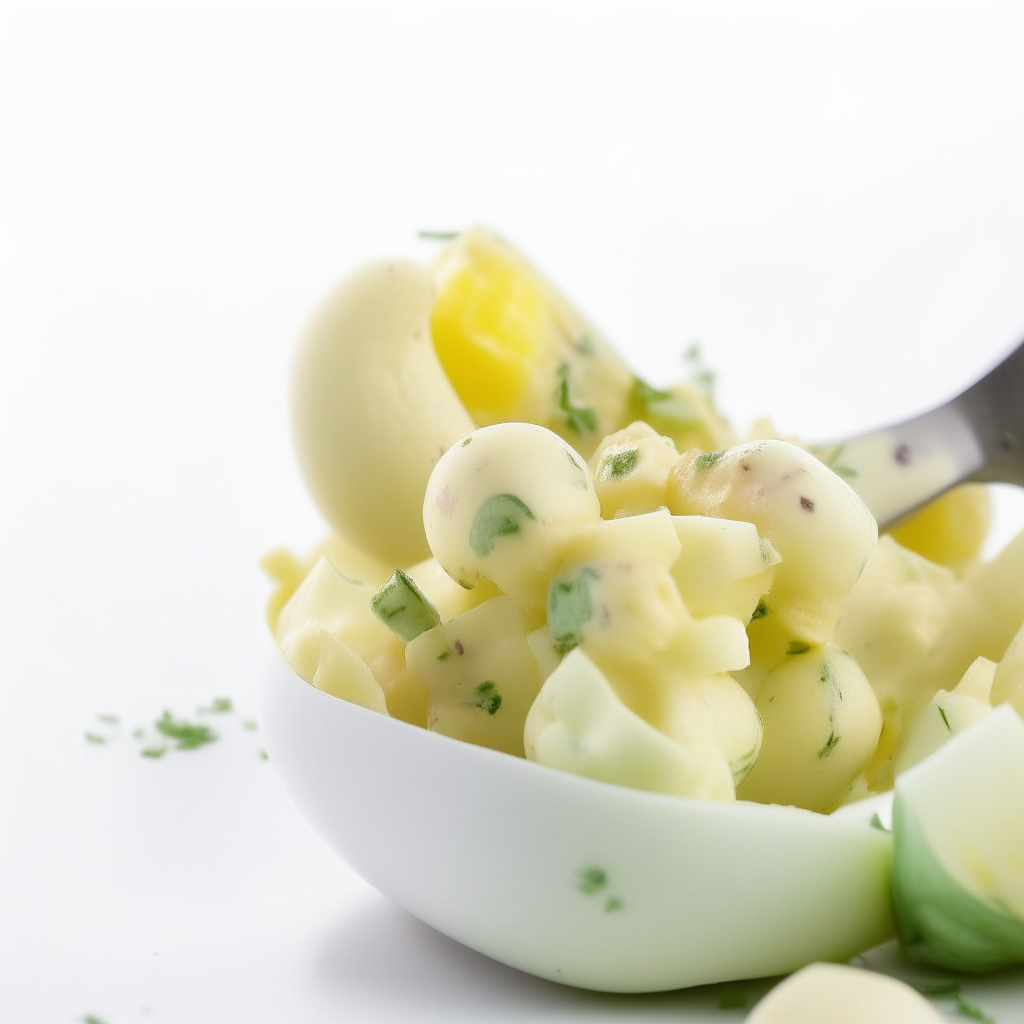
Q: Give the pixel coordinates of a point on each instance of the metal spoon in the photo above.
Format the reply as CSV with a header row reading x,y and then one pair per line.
x,y
978,436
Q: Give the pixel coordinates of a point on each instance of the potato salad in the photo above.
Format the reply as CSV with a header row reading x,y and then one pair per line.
x,y
536,551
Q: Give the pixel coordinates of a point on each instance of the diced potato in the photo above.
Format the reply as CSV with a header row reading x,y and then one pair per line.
x,y
579,725
724,567
817,524
631,469
480,675
323,660
1008,684
821,725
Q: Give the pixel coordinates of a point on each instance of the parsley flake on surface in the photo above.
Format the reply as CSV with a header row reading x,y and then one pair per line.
x,y
94,738
829,746
578,418
153,752
708,459
569,607
438,236
621,464
218,706
109,719
487,698
188,735
760,611
591,880
797,647
501,515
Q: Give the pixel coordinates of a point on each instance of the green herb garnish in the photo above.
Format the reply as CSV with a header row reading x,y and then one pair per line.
x,y
732,998
797,647
830,745
94,738
438,236
188,735
249,723
218,706
944,718
620,464
664,405
153,752
876,822
404,608
760,611
569,607
501,515
591,880
612,905
833,463
487,698
90,1019
109,719
578,418
708,459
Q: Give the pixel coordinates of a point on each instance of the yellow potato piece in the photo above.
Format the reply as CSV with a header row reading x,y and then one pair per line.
x,y
949,530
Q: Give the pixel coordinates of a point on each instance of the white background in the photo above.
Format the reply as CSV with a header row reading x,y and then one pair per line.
x,y
830,197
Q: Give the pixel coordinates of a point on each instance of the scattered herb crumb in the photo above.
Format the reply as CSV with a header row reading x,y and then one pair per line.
x,y
876,822
218,706
188,735
760,611
109,719
94,738
797,647
942,711
137,734
249,723
612,905
591,880
623,463
952,990
262,755
487,698
91,1019
444,655
437,236
708,459
578,418
830,745
153,752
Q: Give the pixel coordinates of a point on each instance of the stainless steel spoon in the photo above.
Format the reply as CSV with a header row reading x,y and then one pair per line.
x,y
978,436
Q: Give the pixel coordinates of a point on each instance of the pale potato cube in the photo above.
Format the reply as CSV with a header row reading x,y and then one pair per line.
x,y
816,522
724,567
480,675
1009,679
631,469
821,725
323,660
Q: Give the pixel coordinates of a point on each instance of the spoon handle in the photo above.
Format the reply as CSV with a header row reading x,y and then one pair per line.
x,y
979,435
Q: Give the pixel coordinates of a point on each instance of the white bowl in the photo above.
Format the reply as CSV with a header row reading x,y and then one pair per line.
x,y
570,879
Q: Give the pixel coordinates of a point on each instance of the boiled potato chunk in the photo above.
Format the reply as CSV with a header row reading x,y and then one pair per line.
x,y
323,660
579,724
631,470
821,724
1008,684
480,675
840,994
502,504
958,860
724,567
821,529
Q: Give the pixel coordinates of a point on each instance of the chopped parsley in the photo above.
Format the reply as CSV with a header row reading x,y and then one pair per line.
x,y
612,905
830,745
438,236
153,752
620,464
579,419
444,655
580,478
219,705
591,880
952,990
876,822
827,677
109,719
501,515
188,735
404,608
708,459
262,755
760,611
942,712
797,647
249,723
91,1019
466,440
94,738
569,607
833,463
487,698
651,403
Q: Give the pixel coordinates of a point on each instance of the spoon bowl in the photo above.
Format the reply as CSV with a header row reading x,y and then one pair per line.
x,y
573,880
